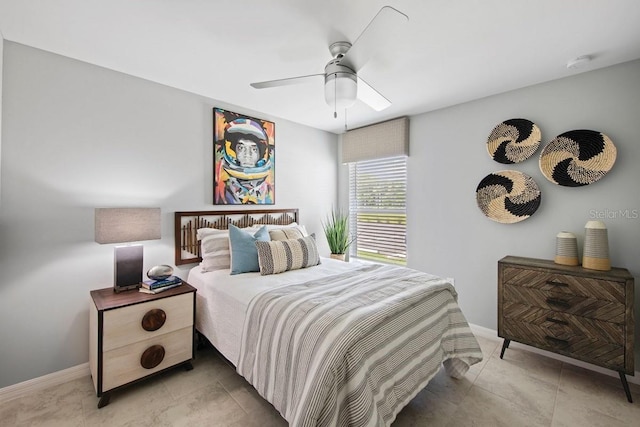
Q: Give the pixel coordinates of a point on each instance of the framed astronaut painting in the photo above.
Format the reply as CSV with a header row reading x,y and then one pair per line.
x,y
244,159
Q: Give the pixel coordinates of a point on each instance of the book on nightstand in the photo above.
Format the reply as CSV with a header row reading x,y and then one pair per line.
x,y
153,284
160,289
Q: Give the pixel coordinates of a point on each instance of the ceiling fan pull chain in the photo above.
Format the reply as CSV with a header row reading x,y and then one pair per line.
x,y
345,119
335,96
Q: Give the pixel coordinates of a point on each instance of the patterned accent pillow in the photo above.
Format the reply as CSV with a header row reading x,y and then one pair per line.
x,y
284,255
286,233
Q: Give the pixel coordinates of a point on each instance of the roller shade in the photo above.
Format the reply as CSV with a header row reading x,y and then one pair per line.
x,y
386,139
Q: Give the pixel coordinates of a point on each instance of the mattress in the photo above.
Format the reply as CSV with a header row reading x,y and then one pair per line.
x,y
222,299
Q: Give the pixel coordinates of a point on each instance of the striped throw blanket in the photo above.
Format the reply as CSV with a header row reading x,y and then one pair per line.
x,y
354,348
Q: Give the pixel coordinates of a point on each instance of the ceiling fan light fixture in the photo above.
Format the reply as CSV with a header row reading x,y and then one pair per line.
x,y
340,90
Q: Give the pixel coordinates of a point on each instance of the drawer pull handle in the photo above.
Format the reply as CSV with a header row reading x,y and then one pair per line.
x,y
153,319
152,356
555,340
551,282
560,322
558,302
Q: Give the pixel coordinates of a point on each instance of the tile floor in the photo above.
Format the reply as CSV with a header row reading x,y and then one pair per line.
x,y
523,389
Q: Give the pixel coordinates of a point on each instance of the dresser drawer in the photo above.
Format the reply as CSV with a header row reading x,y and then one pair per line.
x,y
562,323
123,326
589,349
605,290
585,306
123,365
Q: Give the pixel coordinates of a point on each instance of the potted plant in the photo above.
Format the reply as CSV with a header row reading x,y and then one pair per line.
x,y
336,230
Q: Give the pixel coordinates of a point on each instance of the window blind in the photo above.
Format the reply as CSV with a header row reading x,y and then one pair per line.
x,y
377,209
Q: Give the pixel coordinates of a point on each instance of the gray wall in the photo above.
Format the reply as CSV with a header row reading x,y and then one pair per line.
x,y
447,233
75,137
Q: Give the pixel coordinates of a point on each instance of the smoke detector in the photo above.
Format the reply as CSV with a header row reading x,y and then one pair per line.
x,y
579,62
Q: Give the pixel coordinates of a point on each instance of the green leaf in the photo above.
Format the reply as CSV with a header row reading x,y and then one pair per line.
x,y
336,230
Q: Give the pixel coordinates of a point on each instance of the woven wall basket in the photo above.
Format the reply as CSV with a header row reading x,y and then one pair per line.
x,y
508,196
577,158
513,141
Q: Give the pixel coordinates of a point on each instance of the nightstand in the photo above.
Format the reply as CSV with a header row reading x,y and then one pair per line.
x,y
133,335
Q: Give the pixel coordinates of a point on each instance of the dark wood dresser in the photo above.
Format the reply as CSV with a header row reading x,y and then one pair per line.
x,y
580,313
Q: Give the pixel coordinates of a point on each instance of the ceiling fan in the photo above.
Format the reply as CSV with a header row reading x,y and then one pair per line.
x,y
342,85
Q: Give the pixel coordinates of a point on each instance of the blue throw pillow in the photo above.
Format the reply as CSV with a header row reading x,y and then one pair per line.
x,y
244,254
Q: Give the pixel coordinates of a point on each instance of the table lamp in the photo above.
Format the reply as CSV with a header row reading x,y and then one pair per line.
x,y
122,225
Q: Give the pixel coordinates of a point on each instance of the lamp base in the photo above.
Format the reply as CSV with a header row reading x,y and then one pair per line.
x,y
127,267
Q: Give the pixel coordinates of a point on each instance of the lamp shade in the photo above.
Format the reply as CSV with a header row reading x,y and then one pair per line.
x,y
121,225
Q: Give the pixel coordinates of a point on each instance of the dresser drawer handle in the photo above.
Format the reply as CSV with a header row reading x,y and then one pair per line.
x,y
558,302
152,356
555,340
551,282
153,319
560,322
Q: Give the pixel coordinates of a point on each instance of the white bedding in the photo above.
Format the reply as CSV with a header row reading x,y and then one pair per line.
x,y
222,299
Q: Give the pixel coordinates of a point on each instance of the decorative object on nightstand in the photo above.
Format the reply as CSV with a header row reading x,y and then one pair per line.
x,y
336,230
122,225
596,246
566,249
160,272
579,313
133,335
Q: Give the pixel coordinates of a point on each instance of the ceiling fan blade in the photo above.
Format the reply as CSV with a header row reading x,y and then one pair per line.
x,y
379,34
371,97
289,81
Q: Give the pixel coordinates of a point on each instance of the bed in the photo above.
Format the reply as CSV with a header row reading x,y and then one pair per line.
x,y
326,342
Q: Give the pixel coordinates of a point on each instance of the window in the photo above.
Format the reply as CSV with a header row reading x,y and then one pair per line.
x,y
377,209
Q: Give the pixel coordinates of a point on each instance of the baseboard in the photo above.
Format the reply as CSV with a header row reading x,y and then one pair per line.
x,y
37,384
492,334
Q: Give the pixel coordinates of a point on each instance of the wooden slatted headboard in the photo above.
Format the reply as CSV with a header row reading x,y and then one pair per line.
x,y
187,246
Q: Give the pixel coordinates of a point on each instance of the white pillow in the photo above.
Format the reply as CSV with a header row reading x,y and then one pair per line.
x,y
214,247
287,233
201,233
295,225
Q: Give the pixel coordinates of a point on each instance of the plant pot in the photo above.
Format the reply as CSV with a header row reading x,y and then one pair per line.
x,y
340,257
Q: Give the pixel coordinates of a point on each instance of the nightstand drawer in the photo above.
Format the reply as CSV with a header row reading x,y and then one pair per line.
x,y
590,349
590,307
563,283
123,326
124,364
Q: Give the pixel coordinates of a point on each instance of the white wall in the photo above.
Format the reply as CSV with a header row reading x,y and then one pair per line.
x,y
1,59
447,233
76,137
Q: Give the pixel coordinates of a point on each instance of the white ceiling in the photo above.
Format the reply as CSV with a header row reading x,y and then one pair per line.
x,y
452,51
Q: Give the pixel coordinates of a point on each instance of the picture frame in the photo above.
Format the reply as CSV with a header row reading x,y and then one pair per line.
x,y
243,159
